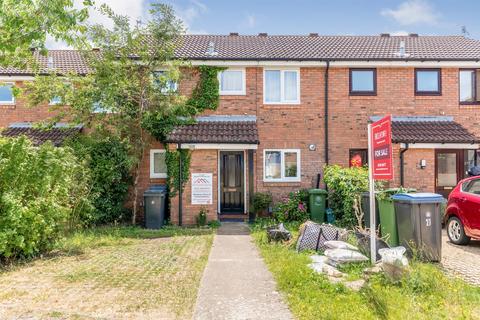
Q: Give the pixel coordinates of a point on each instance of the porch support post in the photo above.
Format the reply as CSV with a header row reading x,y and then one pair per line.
x,y
250,184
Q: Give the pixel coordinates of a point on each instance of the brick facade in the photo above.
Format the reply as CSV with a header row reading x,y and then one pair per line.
x,y
296,126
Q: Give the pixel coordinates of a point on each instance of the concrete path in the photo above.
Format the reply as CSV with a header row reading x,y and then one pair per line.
x,y
236,283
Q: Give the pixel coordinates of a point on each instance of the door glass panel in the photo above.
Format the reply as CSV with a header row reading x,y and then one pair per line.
x,y
291,164
231,170
447,169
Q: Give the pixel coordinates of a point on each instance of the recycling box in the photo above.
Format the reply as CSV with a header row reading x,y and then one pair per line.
x,y
419,223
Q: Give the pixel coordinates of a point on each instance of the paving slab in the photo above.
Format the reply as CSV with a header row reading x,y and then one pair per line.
x,y
462,261
236,283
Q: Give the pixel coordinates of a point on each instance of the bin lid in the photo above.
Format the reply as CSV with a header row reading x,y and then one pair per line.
x,y
317,191
422,197
155,190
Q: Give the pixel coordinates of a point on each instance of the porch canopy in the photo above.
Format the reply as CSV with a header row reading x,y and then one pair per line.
x,y
431,132
57,135
217,132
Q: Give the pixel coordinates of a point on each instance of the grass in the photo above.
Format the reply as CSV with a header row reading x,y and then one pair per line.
x,y
426,293
110,272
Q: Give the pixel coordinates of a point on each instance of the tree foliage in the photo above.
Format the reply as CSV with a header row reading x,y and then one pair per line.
x,y
25,24
42,191
124,85
108,163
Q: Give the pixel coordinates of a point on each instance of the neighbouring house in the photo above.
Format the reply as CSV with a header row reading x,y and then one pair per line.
x,y
291,104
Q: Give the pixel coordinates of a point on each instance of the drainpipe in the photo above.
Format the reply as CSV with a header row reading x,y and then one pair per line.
x,y
180,187
326,111
402,178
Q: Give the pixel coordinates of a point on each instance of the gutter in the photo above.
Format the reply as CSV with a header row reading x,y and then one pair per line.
x,y
402,169
180,187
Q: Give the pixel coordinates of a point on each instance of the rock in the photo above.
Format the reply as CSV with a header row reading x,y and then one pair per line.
x,y
318,258
332,271
335,280
373,270
355,285
316,266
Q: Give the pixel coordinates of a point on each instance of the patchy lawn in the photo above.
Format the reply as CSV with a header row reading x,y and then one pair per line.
x,y
426,294
110,273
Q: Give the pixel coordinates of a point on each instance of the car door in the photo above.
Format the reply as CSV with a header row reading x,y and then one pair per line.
x,y
470,203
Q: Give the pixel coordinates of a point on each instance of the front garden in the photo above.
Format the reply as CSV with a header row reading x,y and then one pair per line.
x,y
110,272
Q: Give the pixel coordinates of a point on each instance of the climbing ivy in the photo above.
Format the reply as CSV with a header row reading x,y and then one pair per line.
x,y
160,123
172,160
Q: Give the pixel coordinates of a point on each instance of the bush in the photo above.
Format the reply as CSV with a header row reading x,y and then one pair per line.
x,y
39,193
344,185
292,208
110,168
261,201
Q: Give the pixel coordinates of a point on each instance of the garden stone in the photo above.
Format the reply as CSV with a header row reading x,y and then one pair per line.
x,y
373,270
332,271
318,258
355,285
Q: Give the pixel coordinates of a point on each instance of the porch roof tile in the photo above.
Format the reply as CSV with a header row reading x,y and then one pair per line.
x,y
38,136
236,132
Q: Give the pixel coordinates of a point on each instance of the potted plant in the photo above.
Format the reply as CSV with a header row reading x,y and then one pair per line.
x,y
260,204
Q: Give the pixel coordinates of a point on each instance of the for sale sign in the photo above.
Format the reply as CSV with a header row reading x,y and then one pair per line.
x,y
381,153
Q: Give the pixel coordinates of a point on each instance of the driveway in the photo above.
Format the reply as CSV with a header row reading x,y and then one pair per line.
x,y
463,261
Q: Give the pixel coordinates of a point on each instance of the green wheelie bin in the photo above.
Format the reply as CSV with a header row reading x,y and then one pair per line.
x,y
386,208
317,201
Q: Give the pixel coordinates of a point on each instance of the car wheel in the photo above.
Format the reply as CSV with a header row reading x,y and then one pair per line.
x,y
456,232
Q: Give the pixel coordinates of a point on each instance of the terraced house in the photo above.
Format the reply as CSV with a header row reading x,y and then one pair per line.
x,y
291,104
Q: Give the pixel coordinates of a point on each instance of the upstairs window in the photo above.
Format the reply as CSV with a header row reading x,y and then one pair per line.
x,y
232,82
281,165
363,82
6,93
428,82
469,92
158,167
165,85
281,87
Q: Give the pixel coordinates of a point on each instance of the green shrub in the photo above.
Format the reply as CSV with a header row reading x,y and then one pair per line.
x,y
202,217
110,168
261,201
344,185
40,189
292,208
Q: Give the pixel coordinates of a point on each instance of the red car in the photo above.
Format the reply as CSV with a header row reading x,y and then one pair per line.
x,y
463,211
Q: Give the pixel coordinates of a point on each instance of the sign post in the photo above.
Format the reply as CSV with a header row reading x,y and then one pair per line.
x,y
379,168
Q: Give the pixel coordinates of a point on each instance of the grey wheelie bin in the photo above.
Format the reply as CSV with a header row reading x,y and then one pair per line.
x,y
155,205
419,223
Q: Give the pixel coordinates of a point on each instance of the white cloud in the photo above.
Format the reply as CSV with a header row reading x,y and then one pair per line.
x,y
413,12
190,13
399,33
134,9
250,21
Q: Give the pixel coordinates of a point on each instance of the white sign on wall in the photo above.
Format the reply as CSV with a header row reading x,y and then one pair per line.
x,y
202,188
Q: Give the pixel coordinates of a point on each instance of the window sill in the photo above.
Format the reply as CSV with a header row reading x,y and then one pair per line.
x,y
159,177
229,94
7,105
282,184
361,97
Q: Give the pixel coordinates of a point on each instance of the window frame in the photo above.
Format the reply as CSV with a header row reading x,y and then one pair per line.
x,y
363,93
52,103
282,84
282,178
475,102
154,175
237,92
12,84
439,82
357,150
165,90
467,184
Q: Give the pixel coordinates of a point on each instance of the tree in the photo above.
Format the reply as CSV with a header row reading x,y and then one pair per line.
x,y
125,85
25,24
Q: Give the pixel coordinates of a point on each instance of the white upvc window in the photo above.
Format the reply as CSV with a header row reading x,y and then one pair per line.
x,y
6,93
281,86
232,81
166,85
282,165
56,100
158,166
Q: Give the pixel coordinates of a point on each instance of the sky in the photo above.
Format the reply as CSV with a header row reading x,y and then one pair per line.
x,y
329,17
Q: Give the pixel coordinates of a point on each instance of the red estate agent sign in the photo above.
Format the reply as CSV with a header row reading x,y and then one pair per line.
x,y
381,137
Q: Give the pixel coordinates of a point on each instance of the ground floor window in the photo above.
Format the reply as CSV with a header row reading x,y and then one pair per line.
x,y
281,165
358,157
158,167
